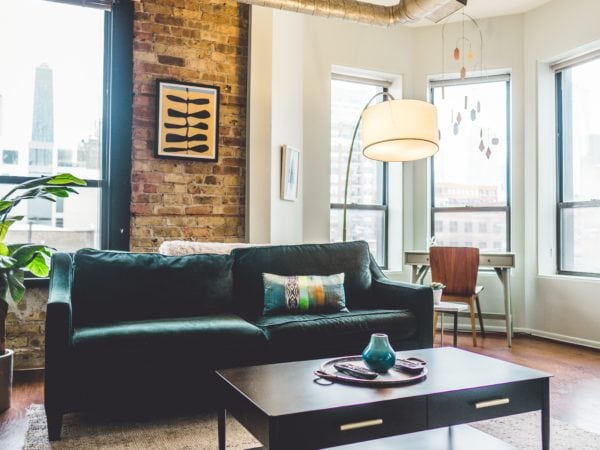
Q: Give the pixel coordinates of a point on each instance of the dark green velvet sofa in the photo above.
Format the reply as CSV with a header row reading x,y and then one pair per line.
x,y
145,331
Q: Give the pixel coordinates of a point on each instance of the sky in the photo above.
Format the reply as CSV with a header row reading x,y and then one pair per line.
x,y
70,40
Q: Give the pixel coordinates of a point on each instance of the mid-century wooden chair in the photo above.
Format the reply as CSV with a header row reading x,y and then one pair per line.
x,y
457,267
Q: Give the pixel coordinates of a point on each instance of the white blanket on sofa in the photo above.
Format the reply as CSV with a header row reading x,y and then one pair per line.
x,y
179,248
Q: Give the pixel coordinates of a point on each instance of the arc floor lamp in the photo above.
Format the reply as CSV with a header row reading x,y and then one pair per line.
x,y
394,131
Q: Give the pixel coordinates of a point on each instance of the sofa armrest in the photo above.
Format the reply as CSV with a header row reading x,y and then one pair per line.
x,y
414,297
59,314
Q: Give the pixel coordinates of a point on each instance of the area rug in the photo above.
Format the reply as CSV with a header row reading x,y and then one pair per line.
x,y
200,432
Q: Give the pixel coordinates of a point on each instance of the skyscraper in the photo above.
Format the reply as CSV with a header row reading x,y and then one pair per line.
x,y
42,129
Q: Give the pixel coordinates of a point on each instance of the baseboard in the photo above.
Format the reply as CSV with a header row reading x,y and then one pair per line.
x,y
567,339
543,334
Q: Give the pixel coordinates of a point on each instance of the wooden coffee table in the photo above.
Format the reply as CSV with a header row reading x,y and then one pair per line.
x,y
282,406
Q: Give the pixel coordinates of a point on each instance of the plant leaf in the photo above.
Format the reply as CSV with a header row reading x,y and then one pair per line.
x,y
66,178
4,251
4,292
39,266
4,226
15,284
5,204
6,262
24,254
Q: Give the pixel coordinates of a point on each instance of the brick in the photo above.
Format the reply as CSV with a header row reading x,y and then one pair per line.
x,y
198,41
171,60
199,210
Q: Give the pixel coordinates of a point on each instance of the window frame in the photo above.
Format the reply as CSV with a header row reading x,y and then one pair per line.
x,y
474,209
561,204
115,185
384,206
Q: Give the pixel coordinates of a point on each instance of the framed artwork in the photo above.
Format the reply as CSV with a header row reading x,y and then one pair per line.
x,y
187,121
290,170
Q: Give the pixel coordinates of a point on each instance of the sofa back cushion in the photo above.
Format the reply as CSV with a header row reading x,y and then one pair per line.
x,y
112,286
350,258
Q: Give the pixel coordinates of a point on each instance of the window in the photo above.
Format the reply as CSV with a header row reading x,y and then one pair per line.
x,y
65,157
10,157
578,145
367,196
60,113
470,174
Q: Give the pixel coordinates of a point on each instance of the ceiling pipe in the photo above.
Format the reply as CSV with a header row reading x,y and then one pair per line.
x,y
407,11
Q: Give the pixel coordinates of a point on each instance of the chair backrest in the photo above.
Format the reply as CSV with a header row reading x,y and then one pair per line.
x,y
456,267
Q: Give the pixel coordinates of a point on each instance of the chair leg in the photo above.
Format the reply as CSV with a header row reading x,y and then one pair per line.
x,y
479,315
435,319
473,330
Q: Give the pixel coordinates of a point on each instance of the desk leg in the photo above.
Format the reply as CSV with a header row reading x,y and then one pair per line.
x,y
221,425
414,274
442,329
504,275
418,273
455,328
546,414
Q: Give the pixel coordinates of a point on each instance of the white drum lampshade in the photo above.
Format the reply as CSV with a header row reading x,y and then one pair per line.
x,y
399,130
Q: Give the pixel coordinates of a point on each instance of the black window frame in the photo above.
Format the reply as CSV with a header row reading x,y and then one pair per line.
x,y
473,209
115,182
384,206
561,154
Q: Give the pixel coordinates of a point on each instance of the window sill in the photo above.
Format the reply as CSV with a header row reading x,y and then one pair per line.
x,y
574,278
36,282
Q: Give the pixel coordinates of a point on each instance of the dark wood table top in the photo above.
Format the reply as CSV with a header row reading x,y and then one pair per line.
x,y
289,388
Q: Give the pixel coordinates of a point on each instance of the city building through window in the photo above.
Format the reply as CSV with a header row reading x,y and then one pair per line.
x,y
470,174
578,143
367,183
55,116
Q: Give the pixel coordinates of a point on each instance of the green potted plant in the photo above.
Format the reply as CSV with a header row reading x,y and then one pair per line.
x,y
17,259
437,292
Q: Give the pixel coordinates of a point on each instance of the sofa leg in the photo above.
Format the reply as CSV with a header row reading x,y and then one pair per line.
x,y
54,420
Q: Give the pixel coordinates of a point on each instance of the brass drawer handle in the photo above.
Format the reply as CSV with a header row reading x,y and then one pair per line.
x,y
489,403
363,424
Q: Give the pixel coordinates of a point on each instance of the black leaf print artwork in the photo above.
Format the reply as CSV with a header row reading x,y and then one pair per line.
x,y
188,117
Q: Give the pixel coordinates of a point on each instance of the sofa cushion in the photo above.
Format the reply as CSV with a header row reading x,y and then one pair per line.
x,y
111,286
304,294
310,336
210,339
350,258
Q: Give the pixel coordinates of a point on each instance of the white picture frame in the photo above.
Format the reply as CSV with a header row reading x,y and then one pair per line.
x,y
290,173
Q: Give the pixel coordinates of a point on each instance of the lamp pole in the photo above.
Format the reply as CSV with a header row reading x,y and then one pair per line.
x,y
384,94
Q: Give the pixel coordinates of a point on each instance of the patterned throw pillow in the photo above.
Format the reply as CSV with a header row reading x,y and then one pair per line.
x,y
304,294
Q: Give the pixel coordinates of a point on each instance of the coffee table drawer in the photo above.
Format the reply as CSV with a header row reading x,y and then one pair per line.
x,y
351,424
470,405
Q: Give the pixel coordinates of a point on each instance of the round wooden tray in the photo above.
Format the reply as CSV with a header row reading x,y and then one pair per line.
x,y
392,378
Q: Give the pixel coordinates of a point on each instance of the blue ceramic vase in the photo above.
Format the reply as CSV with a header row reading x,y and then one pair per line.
x,y
379,356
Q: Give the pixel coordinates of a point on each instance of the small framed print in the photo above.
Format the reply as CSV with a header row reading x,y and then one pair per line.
x,y
187,121
290,171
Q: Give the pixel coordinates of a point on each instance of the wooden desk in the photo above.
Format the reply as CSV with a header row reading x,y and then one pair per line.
x,y
500,262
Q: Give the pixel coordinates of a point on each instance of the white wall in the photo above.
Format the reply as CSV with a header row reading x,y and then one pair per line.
x,y
502,52
546,304
331,43
561,307
275,119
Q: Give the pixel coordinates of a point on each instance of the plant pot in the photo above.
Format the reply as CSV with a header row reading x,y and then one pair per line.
x,y
6,375
437,296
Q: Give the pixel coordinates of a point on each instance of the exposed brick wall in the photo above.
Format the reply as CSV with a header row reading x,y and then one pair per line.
x,y
198,41
25,326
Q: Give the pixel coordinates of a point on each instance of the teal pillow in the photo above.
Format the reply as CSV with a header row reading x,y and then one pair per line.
x,y
304,294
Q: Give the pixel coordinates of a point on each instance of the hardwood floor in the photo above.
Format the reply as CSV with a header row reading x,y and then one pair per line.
x,y
574,389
